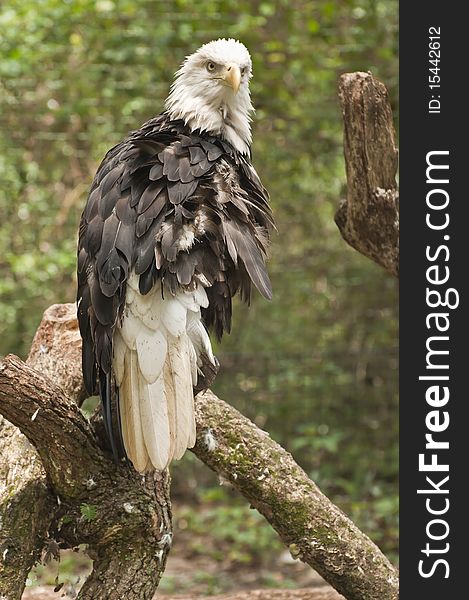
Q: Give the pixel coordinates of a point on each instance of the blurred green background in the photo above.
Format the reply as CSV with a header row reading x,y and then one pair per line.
x,y
316,367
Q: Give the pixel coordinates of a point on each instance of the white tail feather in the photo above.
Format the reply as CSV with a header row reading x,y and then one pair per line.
x,y
180,362
130,414
174,316
156,354
155,422
199,336
193,361
151,349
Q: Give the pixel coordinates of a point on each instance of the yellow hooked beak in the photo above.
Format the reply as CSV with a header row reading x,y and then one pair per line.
x,y
232,76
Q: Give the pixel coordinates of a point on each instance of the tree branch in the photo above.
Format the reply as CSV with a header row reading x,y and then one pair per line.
x,y
25,508
123,518
314,529
22,476
127,508
369,218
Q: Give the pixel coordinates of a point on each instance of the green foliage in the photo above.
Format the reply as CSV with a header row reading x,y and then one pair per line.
x,y
88,511
238,535
317,366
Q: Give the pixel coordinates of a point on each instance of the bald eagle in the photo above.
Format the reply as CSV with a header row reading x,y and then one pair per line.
x,y
176,223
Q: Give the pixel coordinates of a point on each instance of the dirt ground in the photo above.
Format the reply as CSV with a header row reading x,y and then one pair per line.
x,y
184,575
320,593
201,565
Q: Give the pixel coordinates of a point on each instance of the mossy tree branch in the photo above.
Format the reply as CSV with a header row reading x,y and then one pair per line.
x,y
314,529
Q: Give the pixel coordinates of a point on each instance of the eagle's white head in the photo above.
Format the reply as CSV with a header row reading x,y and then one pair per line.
x,y
211,92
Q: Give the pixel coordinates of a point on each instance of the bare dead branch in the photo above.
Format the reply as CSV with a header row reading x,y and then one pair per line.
x,y
369,218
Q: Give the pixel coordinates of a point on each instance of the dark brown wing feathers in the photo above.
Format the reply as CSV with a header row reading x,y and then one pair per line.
x,y
154,190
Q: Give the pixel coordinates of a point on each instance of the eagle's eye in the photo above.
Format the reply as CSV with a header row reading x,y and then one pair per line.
x,y
210,66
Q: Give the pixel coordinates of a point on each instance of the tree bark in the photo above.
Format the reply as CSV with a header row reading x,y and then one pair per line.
x,y
84,497
25,506
313,528
125,519
22,477
369,218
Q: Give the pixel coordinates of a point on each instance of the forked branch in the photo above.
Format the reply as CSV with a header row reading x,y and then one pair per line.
x,y
127,507
369,218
